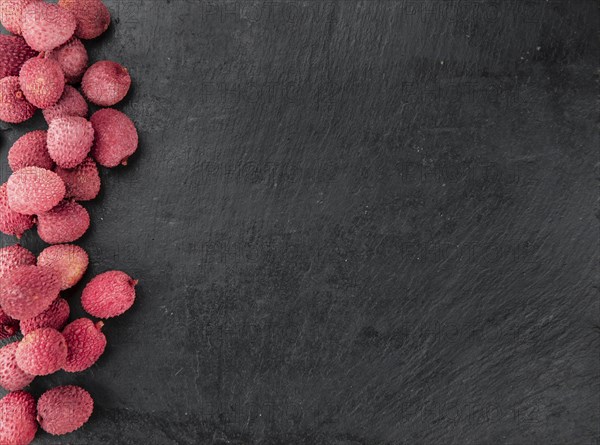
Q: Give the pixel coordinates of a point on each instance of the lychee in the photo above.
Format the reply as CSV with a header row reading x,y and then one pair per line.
x,y
68,261
93,17
12,378
64,409
71,103
105,83
15,256
30,150
46,26
55,317
73,59
11,222
85,342
14,52
14,108
42,352
65,223
42,81
109,294
10,14
27,291
34,190
82,182
116,137
8,325
69,140
17,418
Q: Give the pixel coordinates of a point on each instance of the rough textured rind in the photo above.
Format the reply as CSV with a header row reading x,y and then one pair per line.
x,y
72,58
17,419
42,352
42,81
14,256
10,14
116,137
93,17
30,150
82,182
109,294
64,409
14,108
34,190
14,52
8,325
12,378
65,223
69,140
46,26
86,343
105,83
71,103
55,317
68,261
11,222
27,291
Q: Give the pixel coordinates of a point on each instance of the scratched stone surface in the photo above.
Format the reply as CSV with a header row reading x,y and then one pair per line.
x,y
353,222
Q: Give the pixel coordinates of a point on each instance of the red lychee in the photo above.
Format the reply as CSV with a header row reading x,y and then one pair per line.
x,y
85,342
11,222
17,419
12,378
46,26
64,409
26,291
42,352
34,190
105,83
68,261
82,182
14,108
30,150
109,294
55,317
71,103
14,52
116,137
65,223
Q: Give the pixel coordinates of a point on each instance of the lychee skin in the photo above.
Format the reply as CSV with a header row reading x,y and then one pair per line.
x,y
8,325
12,378
34,190
14,52
116,137
64,409
82,182
68,261
17,419
14,108
55,317
10,14
109,294
86,343
27,291
93,17
11,222
46,26
30,150
65,223
42,81
42,352
105,83
69,140
71,103
73,59
14,256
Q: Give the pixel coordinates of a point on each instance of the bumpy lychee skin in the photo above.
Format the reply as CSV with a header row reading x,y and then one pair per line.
x,y
12,378
17,419
10,14
55,317
14,52
34,190
27,291
109,294
65,223
14,108
42,81
68,261
14,256
93,17
73,59
105,83
8,325
71,103
46,26
30,150
116,137
64,409
42,352
70,140
11,222
86,343
82,182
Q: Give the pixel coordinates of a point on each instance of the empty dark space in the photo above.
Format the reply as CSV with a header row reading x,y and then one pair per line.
x,y
353,222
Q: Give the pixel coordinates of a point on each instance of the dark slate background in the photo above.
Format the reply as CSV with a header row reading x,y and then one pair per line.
x,y
353,222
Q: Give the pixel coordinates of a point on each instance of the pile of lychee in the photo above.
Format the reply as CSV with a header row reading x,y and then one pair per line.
x,y
41,65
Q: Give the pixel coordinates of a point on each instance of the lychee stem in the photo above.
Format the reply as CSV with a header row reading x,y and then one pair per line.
x,y
99,325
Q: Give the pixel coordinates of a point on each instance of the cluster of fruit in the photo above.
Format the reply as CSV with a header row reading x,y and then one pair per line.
x,y
54,169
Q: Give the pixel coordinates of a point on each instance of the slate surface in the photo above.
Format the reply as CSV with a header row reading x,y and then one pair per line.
x,y
353,222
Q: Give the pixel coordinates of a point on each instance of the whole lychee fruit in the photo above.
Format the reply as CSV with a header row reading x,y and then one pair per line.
x,y
64,409
105,83
46,26
65,223
69,140
85,342
14,256
68,261
34,190
109,294
10,14
17,419
14,108
42,81
55,317
11,222
14,52
116,137
12,378
71,103
73,59
42,352
8,325
93,17
30,150
26,291
82,182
